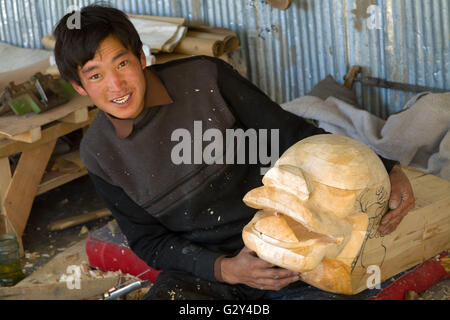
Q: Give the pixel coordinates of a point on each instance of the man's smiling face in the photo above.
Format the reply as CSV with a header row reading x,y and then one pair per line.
x,y
114,79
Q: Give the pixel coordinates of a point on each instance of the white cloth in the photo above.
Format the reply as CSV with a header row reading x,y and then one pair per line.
x,y
160,36
418,136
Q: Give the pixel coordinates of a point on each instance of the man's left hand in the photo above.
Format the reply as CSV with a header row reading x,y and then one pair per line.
x,y
400,201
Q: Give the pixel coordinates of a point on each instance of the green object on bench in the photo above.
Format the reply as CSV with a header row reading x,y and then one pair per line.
x,y
37,95
24,104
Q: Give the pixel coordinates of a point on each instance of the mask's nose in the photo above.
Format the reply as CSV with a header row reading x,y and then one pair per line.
x,y
288,178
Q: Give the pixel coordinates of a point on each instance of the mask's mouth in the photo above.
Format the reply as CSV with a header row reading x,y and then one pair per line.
x,y
286,232
285,211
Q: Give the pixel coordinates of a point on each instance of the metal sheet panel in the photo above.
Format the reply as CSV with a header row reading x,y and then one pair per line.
x,y
288,52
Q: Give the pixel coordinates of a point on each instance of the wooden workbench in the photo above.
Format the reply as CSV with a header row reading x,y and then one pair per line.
x,y
34,136
18,190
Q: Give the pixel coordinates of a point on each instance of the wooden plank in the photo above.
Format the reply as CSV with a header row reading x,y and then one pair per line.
x,y
13,125
175,20
422,234
59,180
23,187
200,46
60,290
79,219
411,172
23,74
166,57
29,136
72,157
5,179
54,131
67,167
5,176
77,116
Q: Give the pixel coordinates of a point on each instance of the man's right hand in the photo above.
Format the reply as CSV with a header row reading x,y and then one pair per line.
x,y
248,269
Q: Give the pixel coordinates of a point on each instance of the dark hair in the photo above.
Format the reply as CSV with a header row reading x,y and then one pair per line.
x,y
74,47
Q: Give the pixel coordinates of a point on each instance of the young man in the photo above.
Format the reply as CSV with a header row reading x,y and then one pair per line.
x,y
184,219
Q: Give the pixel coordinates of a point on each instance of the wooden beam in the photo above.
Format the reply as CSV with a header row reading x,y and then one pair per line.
x,y
78,116
422,234
60,179
79,219
13,125
5,179
175,20
59,129
29,136
60,291
24,185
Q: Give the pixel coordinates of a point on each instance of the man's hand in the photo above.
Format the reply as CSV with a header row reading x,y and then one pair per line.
x,y
248,269
400,202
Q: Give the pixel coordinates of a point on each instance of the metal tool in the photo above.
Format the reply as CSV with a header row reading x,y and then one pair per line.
x,y
377,82
123,289
115,293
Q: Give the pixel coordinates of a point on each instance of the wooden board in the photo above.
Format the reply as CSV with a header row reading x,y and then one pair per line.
x,y
52,181
21,191
52,131
174,20
27,128
66,168
5,179
79,219
422,234
22,74
59,291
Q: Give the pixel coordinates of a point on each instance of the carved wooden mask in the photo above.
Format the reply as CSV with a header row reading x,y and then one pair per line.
x,y
318,203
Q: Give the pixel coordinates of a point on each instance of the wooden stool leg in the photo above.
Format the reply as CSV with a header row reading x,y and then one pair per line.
x,y
23,186
5,180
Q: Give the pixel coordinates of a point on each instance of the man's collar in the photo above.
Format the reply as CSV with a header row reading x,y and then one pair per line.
x,y
155,95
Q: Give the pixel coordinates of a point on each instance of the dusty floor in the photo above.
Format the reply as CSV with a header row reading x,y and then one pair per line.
x,y
79,196
41,244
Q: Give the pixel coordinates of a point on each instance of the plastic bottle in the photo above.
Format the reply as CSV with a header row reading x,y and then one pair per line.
x,y
10,269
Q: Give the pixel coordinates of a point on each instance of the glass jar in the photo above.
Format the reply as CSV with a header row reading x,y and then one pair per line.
x,y
10,269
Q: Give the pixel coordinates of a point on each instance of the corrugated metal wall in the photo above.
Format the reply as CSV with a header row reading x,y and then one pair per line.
x,y
288,52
